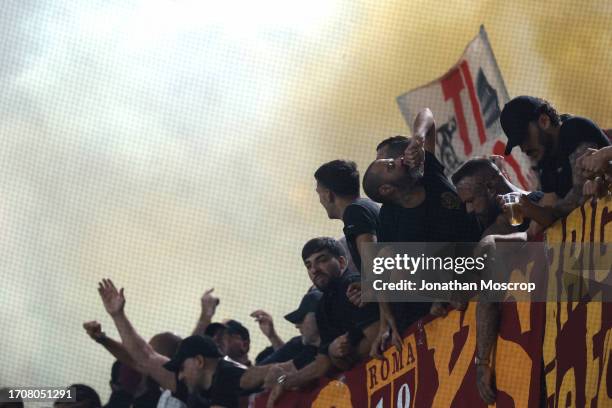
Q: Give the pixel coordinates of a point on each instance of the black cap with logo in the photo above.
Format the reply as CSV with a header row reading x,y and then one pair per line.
x,y
515,118
190,347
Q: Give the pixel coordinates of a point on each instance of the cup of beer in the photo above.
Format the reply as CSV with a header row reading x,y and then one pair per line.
x,y
511,200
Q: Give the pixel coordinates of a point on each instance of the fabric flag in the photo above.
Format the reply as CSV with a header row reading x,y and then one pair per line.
x,y
466,103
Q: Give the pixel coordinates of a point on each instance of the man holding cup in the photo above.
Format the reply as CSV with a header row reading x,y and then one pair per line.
x,y
484,190
554,143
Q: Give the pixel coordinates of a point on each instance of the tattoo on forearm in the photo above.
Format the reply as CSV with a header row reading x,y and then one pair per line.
x,y
573,198
487,321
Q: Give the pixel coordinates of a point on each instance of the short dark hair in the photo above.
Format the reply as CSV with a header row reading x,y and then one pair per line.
x,y
475,167
549,110
396,145
84,393
323,243
340,176
371,184
235,327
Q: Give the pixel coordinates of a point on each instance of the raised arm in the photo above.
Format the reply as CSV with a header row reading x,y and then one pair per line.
x,y
425,128
208,304
266,325
115,348
147,360
424,136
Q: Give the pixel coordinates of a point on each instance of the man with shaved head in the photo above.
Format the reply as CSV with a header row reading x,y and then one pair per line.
x,y
479,182
418,206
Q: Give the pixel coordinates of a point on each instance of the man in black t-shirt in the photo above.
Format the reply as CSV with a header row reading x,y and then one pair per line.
x,y
300,348
238,342
416,208
554,143
338,190
204,378
425,210
346,330
297,352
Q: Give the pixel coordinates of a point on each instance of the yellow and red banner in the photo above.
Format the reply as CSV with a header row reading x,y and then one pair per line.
x,y
569,341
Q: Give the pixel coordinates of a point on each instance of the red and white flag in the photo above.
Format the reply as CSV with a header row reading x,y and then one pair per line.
x,y
466,103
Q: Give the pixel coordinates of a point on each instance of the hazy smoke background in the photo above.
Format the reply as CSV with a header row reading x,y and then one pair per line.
x,y
170,145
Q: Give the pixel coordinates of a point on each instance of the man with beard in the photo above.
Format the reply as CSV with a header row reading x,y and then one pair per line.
x,y
238,342
204,377
346,331
417,207
479,182
554,143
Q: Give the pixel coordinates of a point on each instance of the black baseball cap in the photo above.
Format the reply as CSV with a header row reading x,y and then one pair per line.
x,y
190,347
308,304
234,327
515,118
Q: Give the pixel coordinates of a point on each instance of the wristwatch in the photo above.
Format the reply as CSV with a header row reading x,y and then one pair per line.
x,y
481,361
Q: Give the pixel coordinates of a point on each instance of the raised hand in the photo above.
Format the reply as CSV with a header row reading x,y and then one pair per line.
x,y
209,303
414,155
113,299
94,330
265,321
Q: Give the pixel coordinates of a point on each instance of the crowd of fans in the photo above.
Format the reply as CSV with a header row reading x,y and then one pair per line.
x,y
410,199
